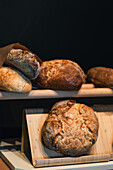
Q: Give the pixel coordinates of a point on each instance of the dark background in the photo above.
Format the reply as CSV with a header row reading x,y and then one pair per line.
x,y
78,30
81,31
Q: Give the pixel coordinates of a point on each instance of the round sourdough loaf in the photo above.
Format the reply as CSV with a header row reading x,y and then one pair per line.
x,y
101,76
60,75
13,80
71,128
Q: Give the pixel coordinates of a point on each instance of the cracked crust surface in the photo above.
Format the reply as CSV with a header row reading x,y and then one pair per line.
x,y
71,128
101,76
25,61
60,75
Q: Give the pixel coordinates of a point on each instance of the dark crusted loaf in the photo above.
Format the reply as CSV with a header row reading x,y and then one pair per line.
x,y
71,128
60,75
101,76
24,61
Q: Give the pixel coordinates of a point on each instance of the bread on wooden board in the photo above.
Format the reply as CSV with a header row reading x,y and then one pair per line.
x,y
71,128
60,75
25,61
101,76
14,81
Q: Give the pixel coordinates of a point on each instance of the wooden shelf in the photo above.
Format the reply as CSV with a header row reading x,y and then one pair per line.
x,y
87,90
15,159
18,161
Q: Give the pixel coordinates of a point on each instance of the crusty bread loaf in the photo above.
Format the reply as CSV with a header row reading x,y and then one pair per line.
x,y
13,80
25,61
71,128
60,75
101,76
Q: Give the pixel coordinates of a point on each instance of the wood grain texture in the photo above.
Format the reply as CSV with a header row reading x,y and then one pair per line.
x,y
42,156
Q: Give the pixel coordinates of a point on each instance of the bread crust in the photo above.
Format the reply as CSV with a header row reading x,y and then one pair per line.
x,y
60,75
24,61
101,76
71,128
14,81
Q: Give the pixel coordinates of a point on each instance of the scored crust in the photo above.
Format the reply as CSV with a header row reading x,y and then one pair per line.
x,y
71,128
61,75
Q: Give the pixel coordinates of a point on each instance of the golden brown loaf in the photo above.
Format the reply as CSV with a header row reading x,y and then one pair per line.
x,y
101,76
13,80
71,128
60,75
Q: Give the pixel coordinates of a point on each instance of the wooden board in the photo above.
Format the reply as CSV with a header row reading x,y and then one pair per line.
x,y
41,156
3,166
87,90
18,161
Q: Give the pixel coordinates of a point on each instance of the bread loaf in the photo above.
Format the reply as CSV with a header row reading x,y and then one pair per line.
x,y
101,76
25,61
13,80
60,75
71,128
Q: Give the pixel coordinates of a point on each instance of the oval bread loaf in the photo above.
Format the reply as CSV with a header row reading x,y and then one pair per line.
x,y
60,75
13,80
24,61
101,76
71,128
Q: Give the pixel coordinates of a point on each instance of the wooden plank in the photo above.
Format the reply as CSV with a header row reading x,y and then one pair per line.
x,y
68,160
85,91
25,147
15,160
41,156
87,86
18,161
34,131
105,136
3,165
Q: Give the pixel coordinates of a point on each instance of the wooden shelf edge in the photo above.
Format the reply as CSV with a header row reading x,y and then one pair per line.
x,y
87,90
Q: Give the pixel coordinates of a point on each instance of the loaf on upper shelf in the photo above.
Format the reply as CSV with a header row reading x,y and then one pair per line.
x,y
71,128
13,80
24,61
60,75
100,76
